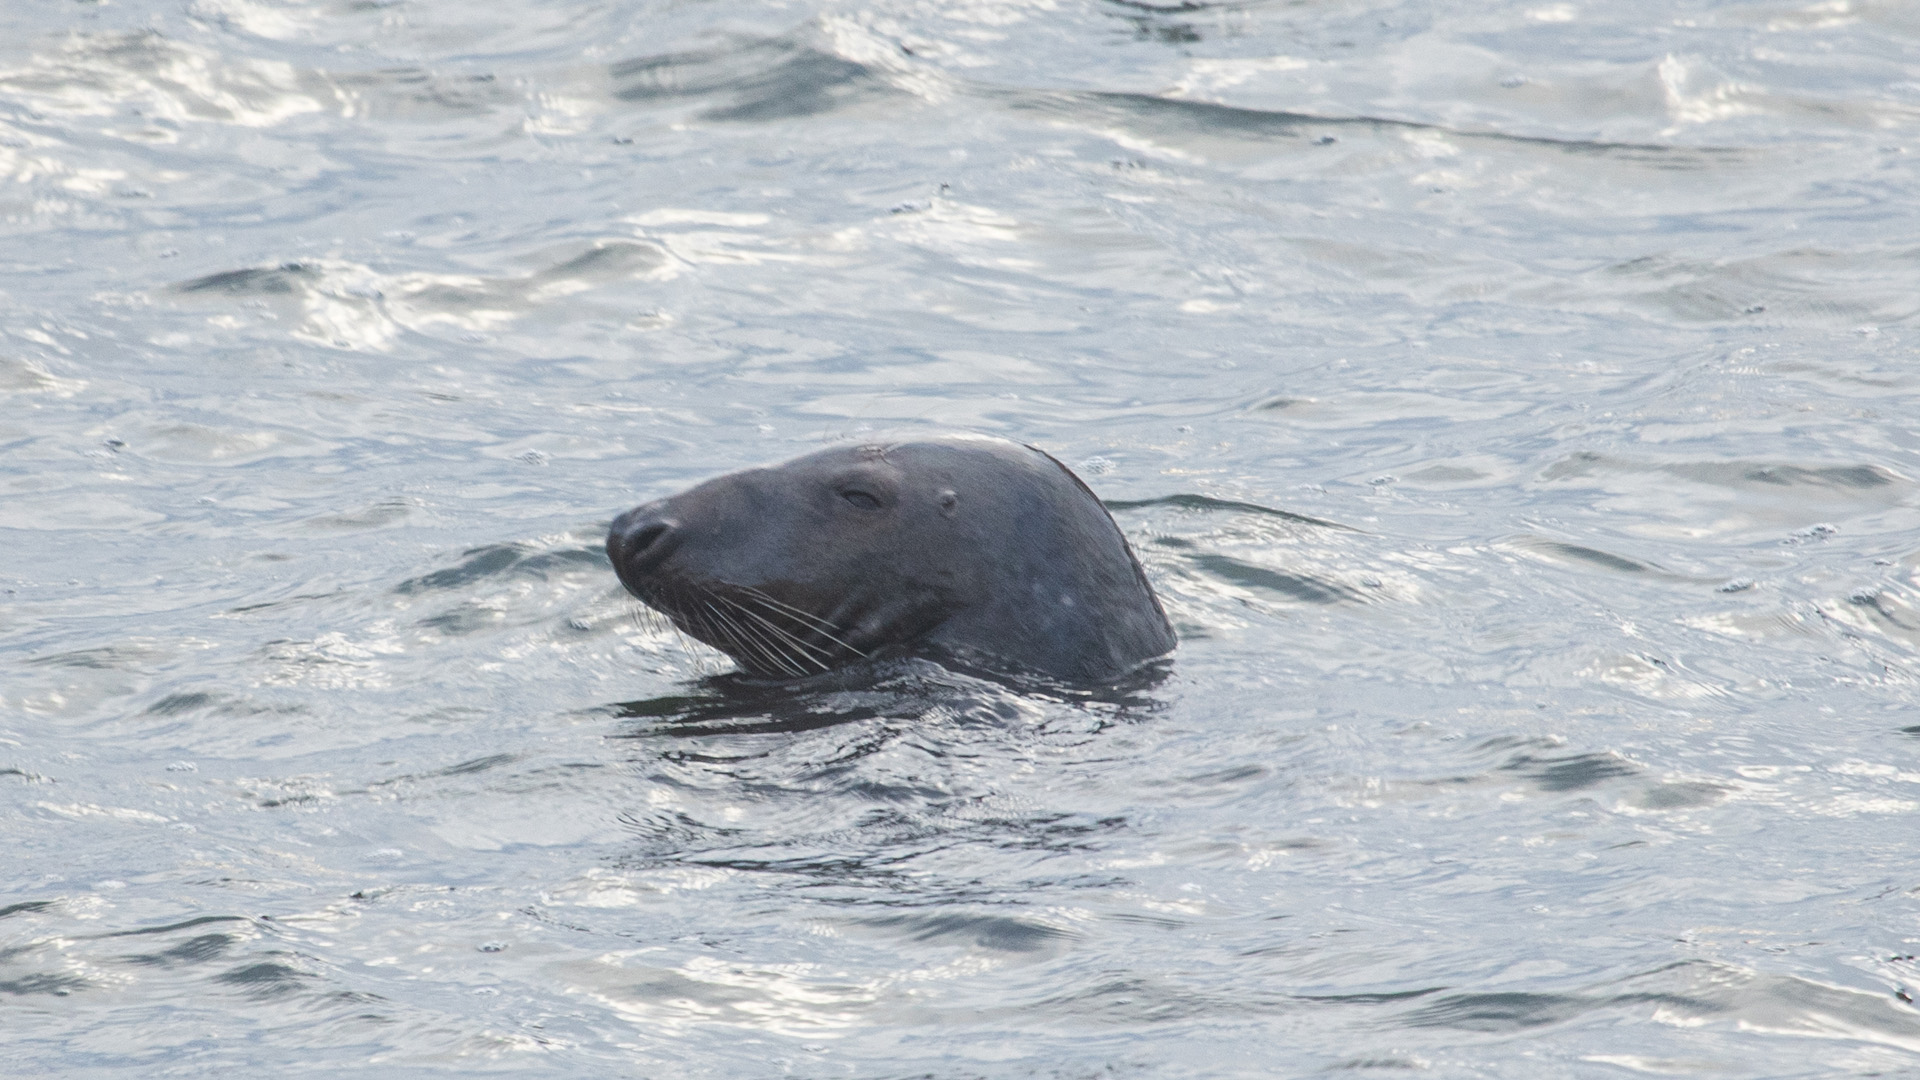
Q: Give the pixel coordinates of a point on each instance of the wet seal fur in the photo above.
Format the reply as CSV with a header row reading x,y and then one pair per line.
x,y
972,548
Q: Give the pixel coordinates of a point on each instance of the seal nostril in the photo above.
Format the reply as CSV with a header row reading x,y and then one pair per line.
x,y
641,539
636,545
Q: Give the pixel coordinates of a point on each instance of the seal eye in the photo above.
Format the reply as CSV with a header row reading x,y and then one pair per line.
x,y
861,499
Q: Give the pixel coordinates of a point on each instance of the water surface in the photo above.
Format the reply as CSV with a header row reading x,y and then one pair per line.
x,y
1514,405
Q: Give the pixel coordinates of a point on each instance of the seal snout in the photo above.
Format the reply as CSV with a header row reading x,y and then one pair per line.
x,y
640,540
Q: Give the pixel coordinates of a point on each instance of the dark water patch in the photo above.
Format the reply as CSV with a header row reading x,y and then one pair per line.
x,y
1000,933
479,764
1577,465
1442,475
42,983
1574,772
562,560
175,704
25,906
1151,22
168,928
906,792
465,619
268,605
1054,832
102,658
886,870
1178,116
1208,504
1179,7
762,81
1233,776
667,834
1144,1000
601,262
889,855
1680,795
1785,286
1138,918
1732,474
266,979
1175,118
1582,554
464,768
724,717
669,705
282,280
1384,997
1165,31
608,259
1300,587
1738,474
192,951
370,516
481,562
495,560
342,301
1514,1011
416,95
190,703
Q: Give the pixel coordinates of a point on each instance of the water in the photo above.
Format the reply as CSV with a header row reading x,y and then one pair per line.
x,y
1514,405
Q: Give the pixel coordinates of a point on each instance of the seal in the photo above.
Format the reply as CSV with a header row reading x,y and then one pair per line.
x,y
972,548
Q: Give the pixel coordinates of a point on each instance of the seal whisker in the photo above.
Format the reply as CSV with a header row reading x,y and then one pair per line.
x,y
781,640
750,644
786,608
726,637
660,612
746,640
823,627
800,649
702,628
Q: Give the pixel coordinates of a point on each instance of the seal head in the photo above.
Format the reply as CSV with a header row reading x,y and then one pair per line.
x,y
988,551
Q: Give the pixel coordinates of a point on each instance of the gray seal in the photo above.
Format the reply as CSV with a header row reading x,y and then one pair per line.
x,y
972,548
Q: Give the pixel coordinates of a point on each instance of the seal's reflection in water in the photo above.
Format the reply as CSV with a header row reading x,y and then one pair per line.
x,y
734,703
883,783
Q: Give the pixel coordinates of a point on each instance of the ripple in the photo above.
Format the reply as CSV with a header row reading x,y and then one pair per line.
x,y
777,79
